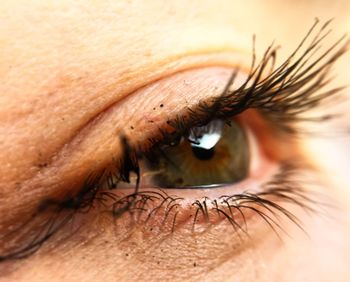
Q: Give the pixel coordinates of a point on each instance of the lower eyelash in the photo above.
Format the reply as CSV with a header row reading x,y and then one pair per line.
x,y
268,205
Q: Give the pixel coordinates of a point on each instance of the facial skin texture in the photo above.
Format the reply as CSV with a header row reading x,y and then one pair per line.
x,y
67,68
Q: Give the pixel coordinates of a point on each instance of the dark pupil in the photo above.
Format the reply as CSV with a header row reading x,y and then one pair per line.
x,y
203,154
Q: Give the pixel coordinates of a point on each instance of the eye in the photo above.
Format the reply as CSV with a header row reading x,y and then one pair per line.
x,y
212,155
237,149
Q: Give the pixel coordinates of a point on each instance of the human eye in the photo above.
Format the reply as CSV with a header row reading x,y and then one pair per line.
x,y
189,163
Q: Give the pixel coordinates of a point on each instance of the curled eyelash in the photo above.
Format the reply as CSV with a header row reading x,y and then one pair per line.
x,y
141,207
281,94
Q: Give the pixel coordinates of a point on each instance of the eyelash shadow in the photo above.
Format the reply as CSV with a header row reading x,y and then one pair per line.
x,y
281,95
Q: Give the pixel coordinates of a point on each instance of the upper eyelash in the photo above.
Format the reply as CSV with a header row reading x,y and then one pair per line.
x,y
269,94
280,95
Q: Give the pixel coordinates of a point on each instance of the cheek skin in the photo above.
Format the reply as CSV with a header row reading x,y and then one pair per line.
x,y
103,251
101,254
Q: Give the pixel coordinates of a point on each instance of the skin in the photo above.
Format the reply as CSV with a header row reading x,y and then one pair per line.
x,y
74,74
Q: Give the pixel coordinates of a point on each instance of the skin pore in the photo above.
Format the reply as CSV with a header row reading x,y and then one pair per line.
x,y
74,73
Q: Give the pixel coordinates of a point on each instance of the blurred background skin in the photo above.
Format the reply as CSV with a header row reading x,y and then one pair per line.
x,y
47,45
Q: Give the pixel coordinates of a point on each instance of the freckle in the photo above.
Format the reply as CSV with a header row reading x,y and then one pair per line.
x,y
161,105
154,109
158,262
151,121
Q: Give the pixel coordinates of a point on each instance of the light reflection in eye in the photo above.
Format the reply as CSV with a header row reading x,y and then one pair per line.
x,y
206,137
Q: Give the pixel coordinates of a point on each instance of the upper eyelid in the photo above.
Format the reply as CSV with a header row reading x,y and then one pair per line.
x,y
151,106
96,144
68,117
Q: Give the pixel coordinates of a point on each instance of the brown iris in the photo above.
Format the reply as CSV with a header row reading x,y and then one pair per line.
x,y
212,155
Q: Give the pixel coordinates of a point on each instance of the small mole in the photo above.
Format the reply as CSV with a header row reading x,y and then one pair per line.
x,y
161,105
154,109
151,121
158,262
126,255
194,264
131,127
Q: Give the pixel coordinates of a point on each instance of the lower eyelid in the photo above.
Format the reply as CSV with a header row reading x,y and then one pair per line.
x,y
164,222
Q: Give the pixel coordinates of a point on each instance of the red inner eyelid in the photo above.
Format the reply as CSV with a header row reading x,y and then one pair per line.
x,y
262,165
